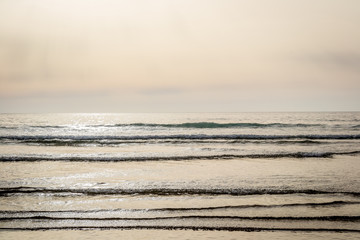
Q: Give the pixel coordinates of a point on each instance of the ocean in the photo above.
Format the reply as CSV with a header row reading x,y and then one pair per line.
x,y
180,176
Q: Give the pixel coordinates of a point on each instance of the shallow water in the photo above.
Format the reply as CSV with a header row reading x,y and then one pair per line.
x,y
172,234
289,175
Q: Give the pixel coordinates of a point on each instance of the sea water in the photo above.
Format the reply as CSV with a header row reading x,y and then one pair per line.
x,y
229,175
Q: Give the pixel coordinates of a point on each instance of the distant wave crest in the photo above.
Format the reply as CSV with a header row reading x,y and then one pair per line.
x,y
173,158
217,125
182,125
179,136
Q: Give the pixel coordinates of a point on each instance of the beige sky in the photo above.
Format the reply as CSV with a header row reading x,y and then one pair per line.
x,y
179,55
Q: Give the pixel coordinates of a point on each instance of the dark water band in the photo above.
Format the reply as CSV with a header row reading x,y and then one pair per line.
x,y
164,191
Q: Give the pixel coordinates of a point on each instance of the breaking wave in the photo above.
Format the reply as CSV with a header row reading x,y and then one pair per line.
x,y
182,125
164,191
180,136
179,209
216,125
77,158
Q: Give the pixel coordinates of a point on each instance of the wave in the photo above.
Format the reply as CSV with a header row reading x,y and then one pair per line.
x,y
194,228
174,158
216,125
182,209
35,126
164,191
270,218
181,125
181,136
311,204
115,143
8,127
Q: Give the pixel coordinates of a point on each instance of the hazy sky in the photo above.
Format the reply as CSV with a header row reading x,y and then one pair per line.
x,y
179,55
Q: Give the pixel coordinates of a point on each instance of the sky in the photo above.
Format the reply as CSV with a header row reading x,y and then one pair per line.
x,y
179,55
